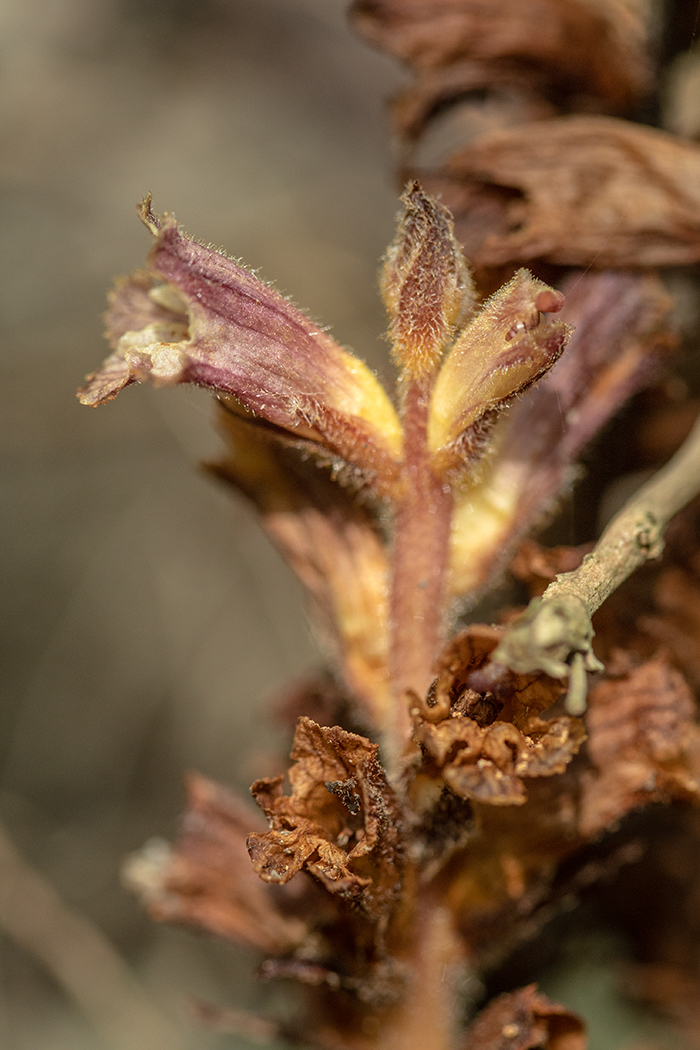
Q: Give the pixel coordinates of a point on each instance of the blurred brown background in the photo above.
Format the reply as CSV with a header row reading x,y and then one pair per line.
x,y
145,620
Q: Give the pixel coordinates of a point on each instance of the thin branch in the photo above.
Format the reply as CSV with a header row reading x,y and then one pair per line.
x,y
80,959
555,633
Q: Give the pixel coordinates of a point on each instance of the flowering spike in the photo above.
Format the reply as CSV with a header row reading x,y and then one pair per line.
x,y
425,283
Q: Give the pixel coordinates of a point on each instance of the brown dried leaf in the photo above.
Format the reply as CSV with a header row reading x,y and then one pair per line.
x,y
341,822
526,1020
643,742
206,880
581,48
584,191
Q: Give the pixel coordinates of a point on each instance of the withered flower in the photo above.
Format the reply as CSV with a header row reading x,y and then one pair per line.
x,y
341,823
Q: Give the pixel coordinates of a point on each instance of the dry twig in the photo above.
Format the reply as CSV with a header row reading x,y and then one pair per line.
x,y
555,633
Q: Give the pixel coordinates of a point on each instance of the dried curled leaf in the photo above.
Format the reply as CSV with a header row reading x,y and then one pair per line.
x,y
206,880
643,742
583,190
526,1020
425,283
237,336
582,48
341,822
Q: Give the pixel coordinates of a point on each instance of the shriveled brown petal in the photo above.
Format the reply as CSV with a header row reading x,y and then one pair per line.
x,y
520,697
526,1020
621,330
449,106
487,763
485,754
341,822
333,544
206,879
502,351
426,285
644,744
587,48
246,340
551,744
583,191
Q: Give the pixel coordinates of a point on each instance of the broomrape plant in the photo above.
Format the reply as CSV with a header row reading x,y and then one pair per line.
x,y
420,839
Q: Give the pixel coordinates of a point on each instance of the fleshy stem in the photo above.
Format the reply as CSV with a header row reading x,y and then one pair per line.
x,y
420,558
555,632
428,1018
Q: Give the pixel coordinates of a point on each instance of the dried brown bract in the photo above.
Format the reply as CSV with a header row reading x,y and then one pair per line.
x,y
341,822
644,744
572,47
574,190
206,881
526,1020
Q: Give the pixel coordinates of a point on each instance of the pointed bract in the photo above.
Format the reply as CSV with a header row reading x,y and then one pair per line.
x,y
333,544
426,285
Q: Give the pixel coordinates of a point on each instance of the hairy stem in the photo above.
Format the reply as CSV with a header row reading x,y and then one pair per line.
x,y
421,539
428,1017
557,627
